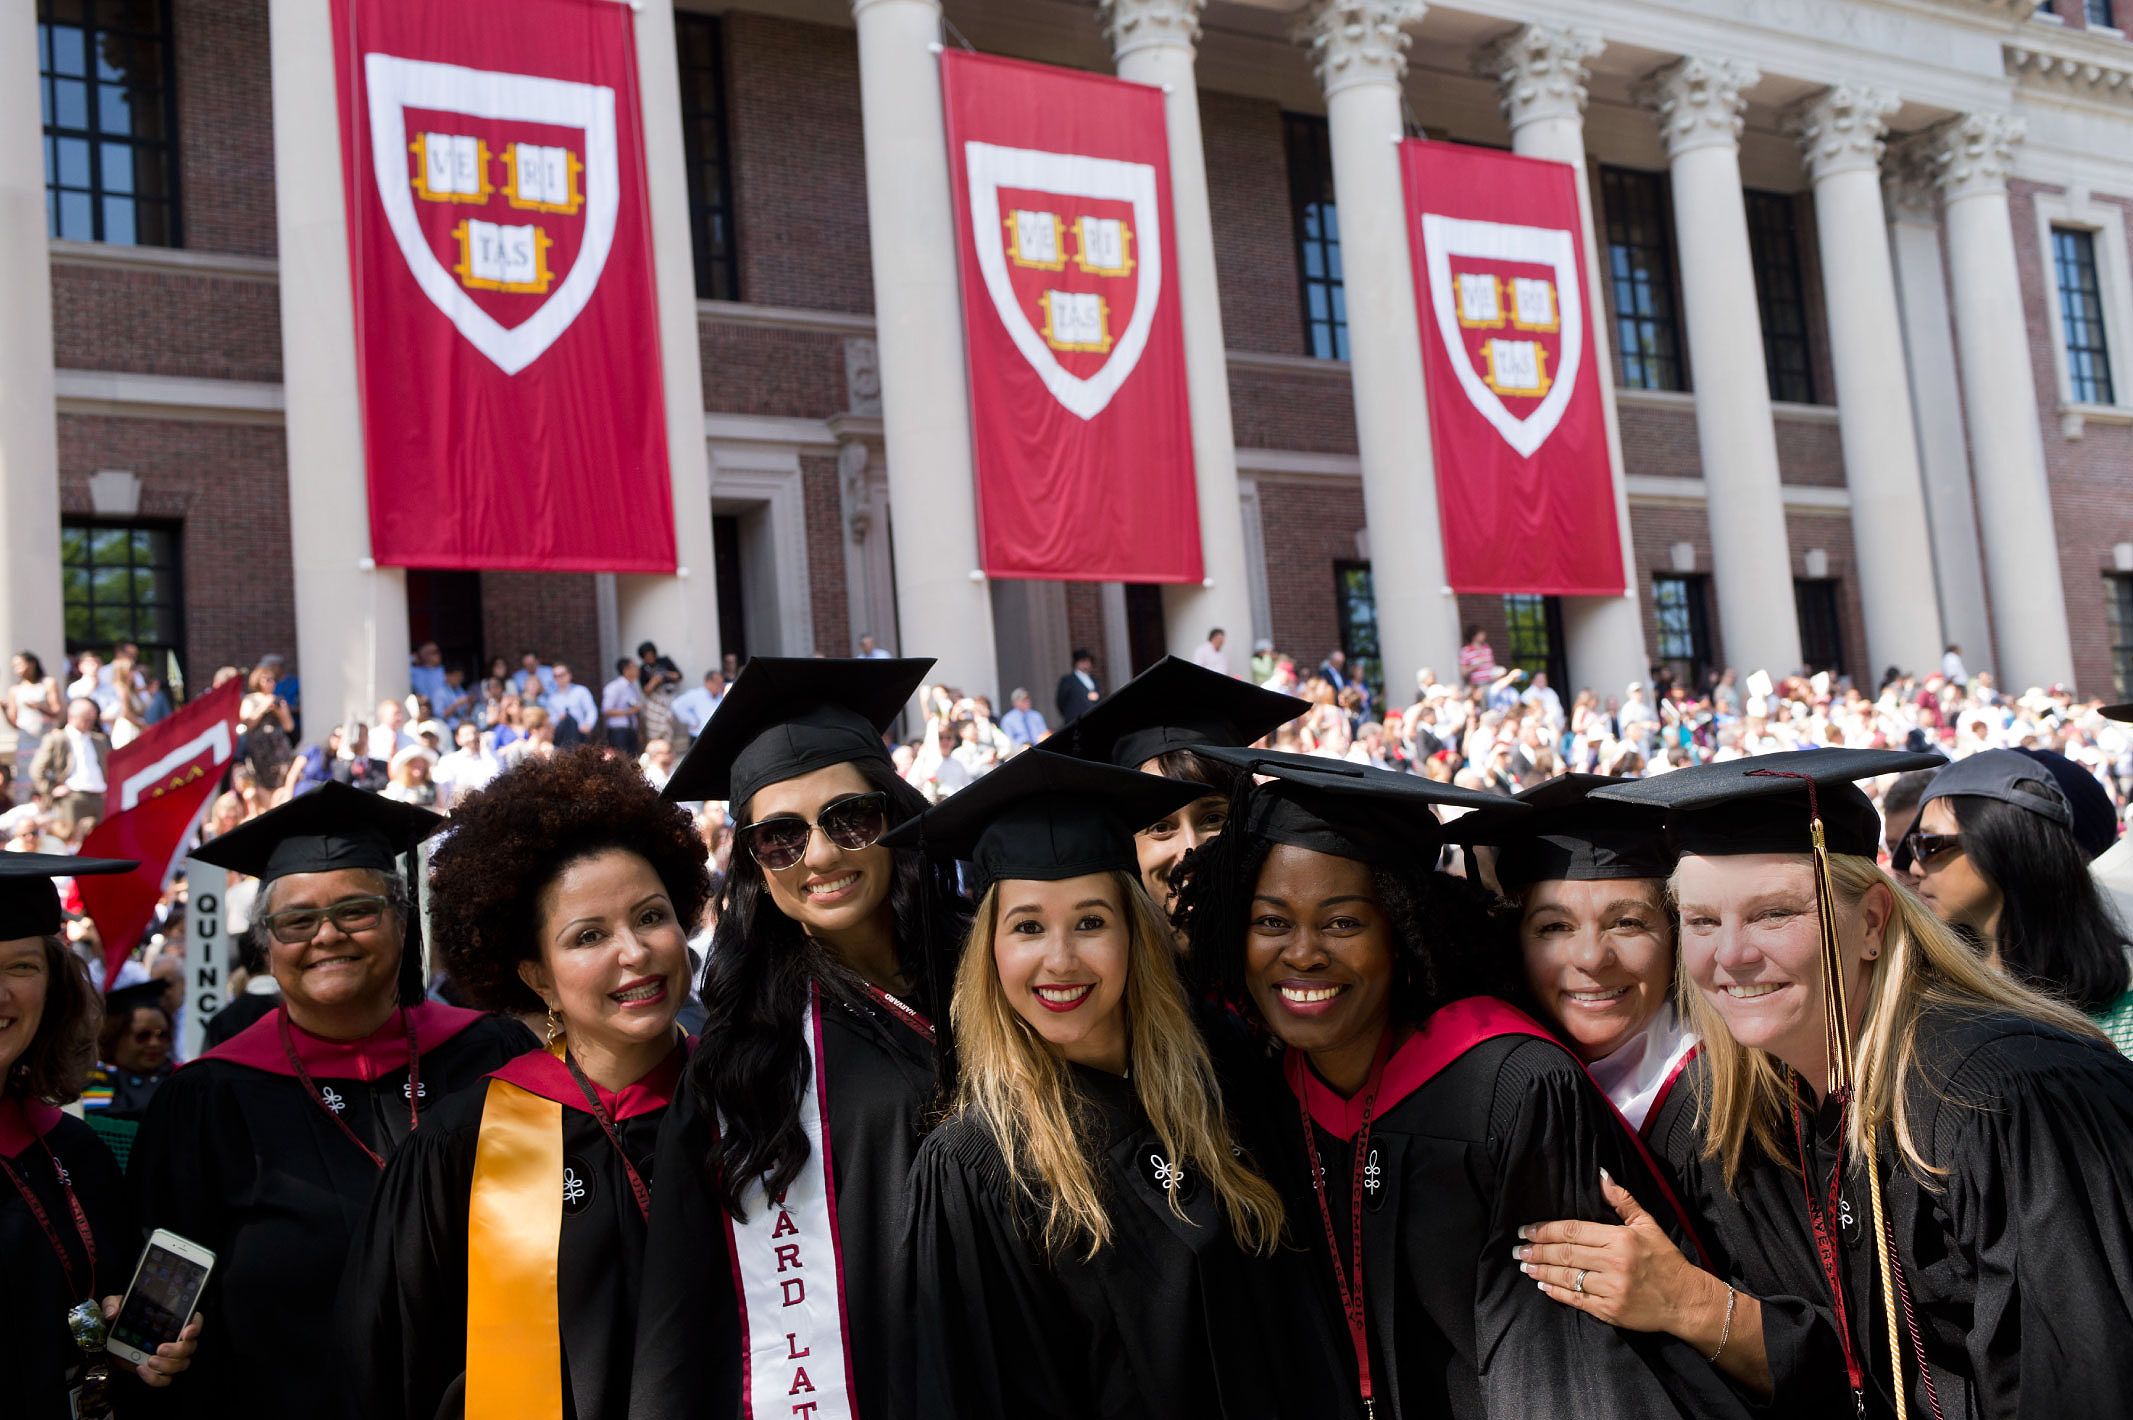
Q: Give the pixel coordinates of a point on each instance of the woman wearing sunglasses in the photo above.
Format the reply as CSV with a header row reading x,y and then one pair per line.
x,y
499,1270
786,1158
1995,856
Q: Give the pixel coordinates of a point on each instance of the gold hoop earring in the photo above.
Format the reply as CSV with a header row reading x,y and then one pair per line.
x,y
555,1028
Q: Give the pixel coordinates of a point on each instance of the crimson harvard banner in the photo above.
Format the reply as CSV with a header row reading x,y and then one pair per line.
x,y
161,784
506,322
1524,483
1070,309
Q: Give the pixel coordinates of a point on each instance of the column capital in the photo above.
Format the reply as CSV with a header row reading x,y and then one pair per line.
x,y
1841,129
1540,71
1909,189
1150,24
1355,42
1971,156
1699,101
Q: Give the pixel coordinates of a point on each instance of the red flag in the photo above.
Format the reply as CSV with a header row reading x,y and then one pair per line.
x,y
159,786
1070,309
1524,482
507,334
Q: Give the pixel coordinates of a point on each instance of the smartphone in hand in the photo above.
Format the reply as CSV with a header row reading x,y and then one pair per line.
x,y
162,1297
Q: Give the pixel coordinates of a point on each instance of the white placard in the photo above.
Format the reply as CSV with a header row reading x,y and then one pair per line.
x,y
207,957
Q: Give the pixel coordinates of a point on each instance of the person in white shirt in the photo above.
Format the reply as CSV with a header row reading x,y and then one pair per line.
x,y
621,707
656,764
871,652
388,733
571,706
1542,696
533,681
1023,724
468,767
1951,665
693,708
1211,655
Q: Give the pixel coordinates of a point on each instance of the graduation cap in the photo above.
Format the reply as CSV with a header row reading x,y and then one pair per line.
x,y
785,716
1356,811
124,1001
2022,780
334,827
1045,817
1564,834
29,901
1772,803
2119,712
1175,704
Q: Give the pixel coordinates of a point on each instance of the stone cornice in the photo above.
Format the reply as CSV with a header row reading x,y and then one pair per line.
x,y
1699,101
1356,42
1147,24
2082,65
1541,70
1841,129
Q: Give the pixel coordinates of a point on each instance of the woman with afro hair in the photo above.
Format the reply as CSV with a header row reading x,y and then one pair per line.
x,y
1426,1119
499,1272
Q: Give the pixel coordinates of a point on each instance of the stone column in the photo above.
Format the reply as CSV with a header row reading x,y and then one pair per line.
x,y
351,616
1944,454
1700,105
1540,72
943,607
1360,50
1153,41
1840,132
1971,158
29,436
680,613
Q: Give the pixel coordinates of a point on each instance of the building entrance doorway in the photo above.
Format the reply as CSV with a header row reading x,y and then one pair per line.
x,y
445,607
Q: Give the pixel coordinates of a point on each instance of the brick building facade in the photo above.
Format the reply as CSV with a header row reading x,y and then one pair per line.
x,y
167,361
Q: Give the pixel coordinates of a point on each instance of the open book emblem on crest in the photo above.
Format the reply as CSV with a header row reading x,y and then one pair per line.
x,y
1512,318
502,192
1072,254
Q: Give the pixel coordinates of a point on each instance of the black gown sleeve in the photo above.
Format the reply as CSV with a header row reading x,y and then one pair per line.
x,y
995,1335
688,1353
1550,1134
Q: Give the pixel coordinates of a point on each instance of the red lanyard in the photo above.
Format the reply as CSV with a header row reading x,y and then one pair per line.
x,y
1350,1278
414,1083
44,1220
638,1190
902,1012
1826,1243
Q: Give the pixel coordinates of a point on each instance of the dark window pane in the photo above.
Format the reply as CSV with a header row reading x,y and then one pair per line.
x,y
69,50
114,110
118,221
107,92
118,167
77,217
2118,610
1640,260
109,547
122,583
1316,222
1780,291
70,103
2099,13
73,166
2088,353
139,16
703,112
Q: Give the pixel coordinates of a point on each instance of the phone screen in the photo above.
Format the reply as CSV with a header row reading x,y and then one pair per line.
x,y
160,1300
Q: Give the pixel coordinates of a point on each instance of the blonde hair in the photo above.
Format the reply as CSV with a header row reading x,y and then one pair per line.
x,y
1922,966
1018,1088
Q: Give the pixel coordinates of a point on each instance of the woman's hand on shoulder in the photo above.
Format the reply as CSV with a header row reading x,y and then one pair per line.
x,y
1633,1276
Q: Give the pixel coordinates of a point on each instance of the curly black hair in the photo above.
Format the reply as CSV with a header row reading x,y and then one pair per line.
x,y
1449,943
511,839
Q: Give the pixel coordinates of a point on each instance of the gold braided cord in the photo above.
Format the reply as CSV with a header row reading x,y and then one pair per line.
x,y
1883,1248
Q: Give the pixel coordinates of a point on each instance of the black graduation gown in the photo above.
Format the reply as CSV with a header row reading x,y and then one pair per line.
x,y
235,1017
2019,1257
1512,1131
236,1156
879,1075
40,1358
1170,1319
402,1319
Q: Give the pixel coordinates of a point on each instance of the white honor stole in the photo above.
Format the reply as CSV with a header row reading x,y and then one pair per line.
x,y
789,1276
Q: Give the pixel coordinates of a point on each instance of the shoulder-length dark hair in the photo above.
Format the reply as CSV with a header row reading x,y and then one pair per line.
x,y
752,1065
1447,942
2056,932
56,1064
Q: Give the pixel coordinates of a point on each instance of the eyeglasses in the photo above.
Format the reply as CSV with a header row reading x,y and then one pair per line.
x,y
146,1037
1925,847
851,823
349,915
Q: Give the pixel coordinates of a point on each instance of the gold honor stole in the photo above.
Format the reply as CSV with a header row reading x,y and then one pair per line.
x,y
514,1232
789,1275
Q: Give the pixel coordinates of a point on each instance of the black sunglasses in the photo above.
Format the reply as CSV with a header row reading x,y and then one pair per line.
x,y
1925,847
851,823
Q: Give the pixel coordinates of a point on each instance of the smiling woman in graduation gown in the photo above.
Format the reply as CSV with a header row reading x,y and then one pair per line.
x,y
266,1150
816,1067
1089,1238
1439,1119
499,1272
2001,1209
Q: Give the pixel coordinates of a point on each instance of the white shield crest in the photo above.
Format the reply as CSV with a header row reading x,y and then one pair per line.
x,y
395,85
1446,237
991,168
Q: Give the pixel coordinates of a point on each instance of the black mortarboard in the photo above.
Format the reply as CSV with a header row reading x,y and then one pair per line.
x,y
1566,835
1044,817
29,902
1175,704
331,828
2119,712
127,999
1762,805
1356,811
785,716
